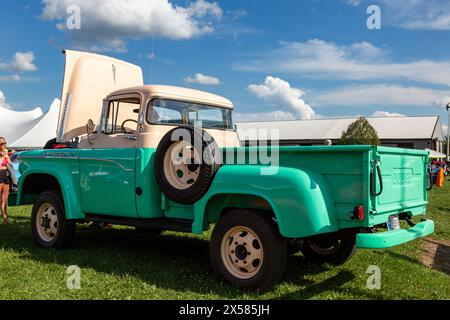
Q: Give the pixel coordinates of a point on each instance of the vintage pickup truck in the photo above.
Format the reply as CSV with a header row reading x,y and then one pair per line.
x,y
148,165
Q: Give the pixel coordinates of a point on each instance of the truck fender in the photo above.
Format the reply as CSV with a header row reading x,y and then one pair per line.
x,y
301,199
67,182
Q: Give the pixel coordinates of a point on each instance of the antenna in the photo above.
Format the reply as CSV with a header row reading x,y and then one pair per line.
x,y
152,56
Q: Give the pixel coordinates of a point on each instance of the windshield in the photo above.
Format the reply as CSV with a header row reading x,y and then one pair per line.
x,y
172,112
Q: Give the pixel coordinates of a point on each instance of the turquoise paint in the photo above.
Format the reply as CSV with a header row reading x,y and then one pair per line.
x,y
149,203
66,172
107,182
301,199
393,238
314,191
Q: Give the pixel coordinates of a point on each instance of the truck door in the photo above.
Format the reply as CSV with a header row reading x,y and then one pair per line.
x,y
108,159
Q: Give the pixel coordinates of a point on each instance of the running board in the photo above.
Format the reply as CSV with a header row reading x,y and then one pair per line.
x,y
164,224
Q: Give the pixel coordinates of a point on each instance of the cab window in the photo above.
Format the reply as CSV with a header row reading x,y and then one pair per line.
x,y
121,116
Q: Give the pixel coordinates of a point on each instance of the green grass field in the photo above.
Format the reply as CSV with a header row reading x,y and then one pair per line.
x,y
121,264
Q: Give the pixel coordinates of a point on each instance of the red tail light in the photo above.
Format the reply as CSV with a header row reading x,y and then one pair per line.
x,y
358,213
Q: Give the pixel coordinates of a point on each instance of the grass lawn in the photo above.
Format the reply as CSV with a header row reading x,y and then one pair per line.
x,y
121,264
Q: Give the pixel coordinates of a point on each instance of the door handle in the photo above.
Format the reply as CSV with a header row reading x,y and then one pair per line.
x,y
132,138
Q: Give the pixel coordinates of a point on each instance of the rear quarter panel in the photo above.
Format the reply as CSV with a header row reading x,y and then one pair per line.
x,y
314,191
301,199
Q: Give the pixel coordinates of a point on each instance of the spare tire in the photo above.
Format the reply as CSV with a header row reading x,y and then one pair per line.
x,y
185,163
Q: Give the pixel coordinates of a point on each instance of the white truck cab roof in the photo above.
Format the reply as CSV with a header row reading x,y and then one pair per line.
x,y
177,93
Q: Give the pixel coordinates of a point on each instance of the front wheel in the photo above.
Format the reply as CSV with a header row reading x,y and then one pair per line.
x,y
247,250
49,225
334,250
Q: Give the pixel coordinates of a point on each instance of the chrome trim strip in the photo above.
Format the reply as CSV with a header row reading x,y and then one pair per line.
x,y
46,157
78,158
109,161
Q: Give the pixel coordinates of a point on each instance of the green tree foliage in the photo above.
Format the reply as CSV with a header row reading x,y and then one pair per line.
x,y
360,132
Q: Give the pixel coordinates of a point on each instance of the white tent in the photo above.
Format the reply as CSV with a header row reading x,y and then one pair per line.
x,y
43,130
14,124
30,129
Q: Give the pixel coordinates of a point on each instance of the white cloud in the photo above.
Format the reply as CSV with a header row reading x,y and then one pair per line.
x,y
413,14
353,2
107,24
380,94
444,102
21,62
202,8
237,14
285,98
385,114
264,116
202,79
3,103
10,78
359,61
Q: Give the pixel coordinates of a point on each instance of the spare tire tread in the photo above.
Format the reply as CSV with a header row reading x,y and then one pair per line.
x,y
206,175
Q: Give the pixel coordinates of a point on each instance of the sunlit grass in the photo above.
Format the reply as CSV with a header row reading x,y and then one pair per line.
x,y
121,264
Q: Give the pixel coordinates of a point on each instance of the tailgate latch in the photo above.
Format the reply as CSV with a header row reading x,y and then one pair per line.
x,y
373,183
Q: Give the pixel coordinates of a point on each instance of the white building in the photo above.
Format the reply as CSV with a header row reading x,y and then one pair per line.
x,y
404,132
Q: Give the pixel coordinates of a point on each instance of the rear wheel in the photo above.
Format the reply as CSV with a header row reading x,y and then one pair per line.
x,y
247,250
49,225
334,250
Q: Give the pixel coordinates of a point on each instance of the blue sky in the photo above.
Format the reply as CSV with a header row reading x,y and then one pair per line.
x,y
274,59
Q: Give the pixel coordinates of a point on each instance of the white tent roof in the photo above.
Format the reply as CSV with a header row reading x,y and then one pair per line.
x,y
14,124
31,129
323,129
44,129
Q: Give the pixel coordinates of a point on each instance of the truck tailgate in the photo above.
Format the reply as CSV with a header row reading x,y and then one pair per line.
x,y
403,188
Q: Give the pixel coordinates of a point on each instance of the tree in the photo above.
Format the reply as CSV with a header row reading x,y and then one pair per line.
x,y
360,132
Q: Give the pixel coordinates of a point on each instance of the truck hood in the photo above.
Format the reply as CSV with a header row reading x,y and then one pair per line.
x,y
88,79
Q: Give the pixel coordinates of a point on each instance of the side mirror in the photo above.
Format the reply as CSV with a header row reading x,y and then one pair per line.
x,y
90,127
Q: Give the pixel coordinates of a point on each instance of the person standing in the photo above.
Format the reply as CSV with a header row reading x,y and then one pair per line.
x,y
4,181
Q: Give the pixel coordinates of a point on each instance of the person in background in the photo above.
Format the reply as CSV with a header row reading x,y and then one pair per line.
x,y
4,180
